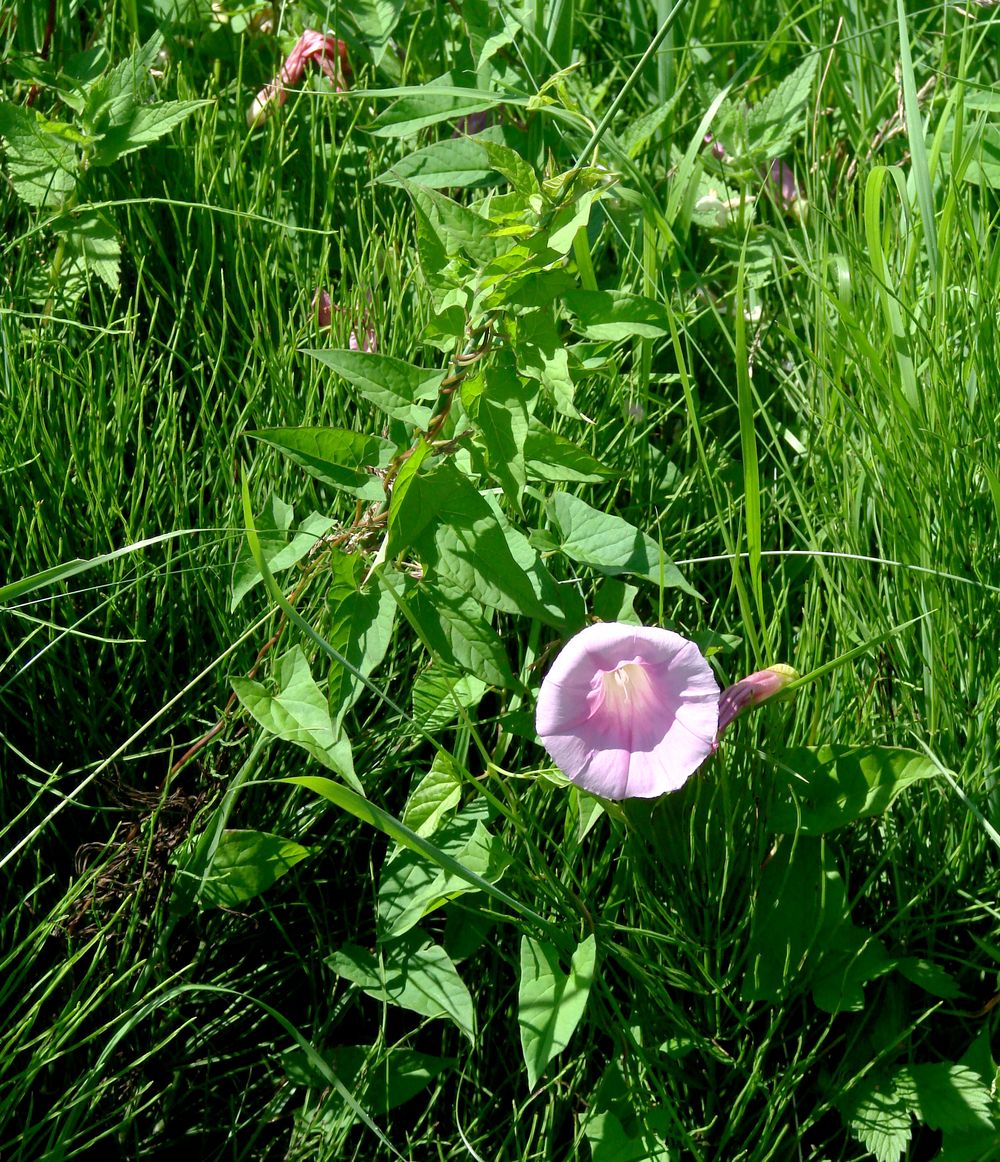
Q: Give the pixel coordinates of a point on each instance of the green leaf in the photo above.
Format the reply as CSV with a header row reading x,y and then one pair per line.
x,y
879,1118
113,98
542,355
247,863
463,547
501,412
299,713
437,793
376,19
945,1096
458,631
550,1002
281,545
929,976
389,383
342,459
551,457
411,887
455,163
831,786
617,315
443,99
413,973
773,124
42,157
437,694
360,627
142,125
457,229
382,1080
611,545
92,240
512,166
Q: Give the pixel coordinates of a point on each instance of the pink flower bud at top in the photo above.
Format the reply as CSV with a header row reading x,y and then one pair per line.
x,y
328,52
753,690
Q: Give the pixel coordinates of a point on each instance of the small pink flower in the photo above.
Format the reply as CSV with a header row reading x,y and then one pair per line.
x,y
753,690
784,187
328,52
368,341
627,711
324,308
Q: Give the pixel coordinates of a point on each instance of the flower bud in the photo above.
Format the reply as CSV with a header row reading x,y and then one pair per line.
x,y
753,690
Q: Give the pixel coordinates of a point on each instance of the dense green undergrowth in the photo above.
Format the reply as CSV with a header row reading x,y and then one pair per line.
x,y
682,316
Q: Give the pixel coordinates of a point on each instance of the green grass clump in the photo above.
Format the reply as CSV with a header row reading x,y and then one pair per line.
x,y
799,411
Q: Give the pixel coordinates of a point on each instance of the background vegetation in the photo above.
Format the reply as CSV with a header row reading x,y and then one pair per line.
x,y
790,387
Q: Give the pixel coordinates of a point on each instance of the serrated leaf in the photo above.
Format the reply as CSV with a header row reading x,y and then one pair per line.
x,y
617,315
247,863
612,545
831,786
413,973
945,1096
299,713
879,1119
342,459
389,383
551,1001
141,126
929,976
774,123
92,240
42,157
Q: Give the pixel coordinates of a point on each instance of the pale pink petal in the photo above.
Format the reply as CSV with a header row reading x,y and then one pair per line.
x,y
627,711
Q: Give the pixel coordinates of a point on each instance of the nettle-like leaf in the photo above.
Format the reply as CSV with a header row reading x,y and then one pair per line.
x,y
774,123
830,786
551,1000
92,242
43,157
298,712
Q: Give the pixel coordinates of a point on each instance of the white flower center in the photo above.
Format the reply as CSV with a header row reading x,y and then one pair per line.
x,y
627,689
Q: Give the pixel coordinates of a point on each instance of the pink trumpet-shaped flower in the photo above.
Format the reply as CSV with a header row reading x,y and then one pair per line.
x,y
627,711
752,690
327,51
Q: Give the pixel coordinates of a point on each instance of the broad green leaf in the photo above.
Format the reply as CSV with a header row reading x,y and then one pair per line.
x,y
342,459
611,545
831,786
609,1141
376,19
929,976
438,793
512,166
411,886
551,457
114,97
142,125
42,157
551,1001
463,547
568,221
542,355
360,627
413,973
443,99
91,238
299,713
946,1096
389,383
617,315
879,1118
501,413
281,545
775,122
458,630
437,694
459,230
247,863
454,163
382,1079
